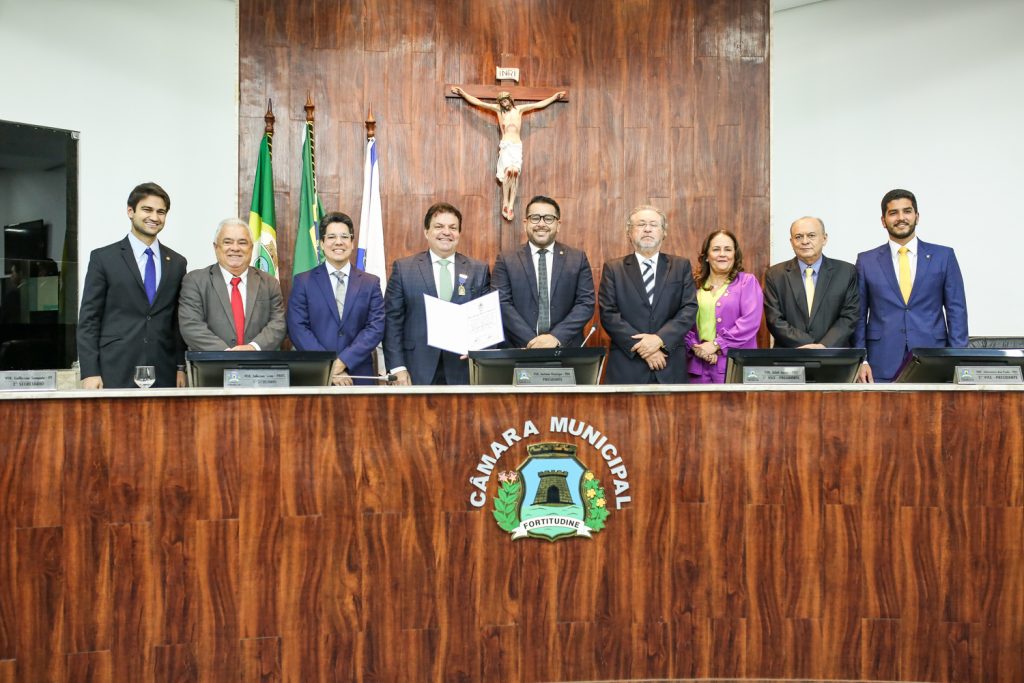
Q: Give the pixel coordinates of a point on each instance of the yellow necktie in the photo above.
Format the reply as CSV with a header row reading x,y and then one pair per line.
x,y
809,288
905,282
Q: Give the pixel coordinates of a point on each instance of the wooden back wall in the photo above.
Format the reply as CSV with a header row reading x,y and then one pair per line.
x,y
668,104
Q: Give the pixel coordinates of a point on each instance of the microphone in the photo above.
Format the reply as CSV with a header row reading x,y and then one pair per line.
x,y
387,378
593,328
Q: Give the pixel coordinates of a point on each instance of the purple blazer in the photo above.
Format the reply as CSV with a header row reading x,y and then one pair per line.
x,y
739,318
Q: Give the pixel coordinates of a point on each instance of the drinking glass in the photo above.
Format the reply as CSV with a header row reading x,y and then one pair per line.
x,y
145,376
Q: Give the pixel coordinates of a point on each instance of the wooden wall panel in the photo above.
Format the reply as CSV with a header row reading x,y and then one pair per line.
x,y
766,537
668,105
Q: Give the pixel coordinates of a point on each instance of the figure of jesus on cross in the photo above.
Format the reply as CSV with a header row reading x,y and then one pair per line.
x,y
510,149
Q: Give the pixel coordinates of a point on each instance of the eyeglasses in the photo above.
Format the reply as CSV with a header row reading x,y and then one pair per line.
x,y
332,237
536,218
643,224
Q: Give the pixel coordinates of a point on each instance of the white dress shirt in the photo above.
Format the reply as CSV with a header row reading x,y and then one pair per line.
x,y
139,250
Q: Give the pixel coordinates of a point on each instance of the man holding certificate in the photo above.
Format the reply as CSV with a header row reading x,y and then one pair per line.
x,y
439,272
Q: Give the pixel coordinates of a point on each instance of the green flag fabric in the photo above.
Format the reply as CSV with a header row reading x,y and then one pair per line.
x,y
307,250
262,221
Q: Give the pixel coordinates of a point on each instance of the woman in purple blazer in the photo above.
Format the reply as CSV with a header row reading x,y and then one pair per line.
x,y
729,308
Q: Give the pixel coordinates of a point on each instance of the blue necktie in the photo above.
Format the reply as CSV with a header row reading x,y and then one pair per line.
x,y
149,282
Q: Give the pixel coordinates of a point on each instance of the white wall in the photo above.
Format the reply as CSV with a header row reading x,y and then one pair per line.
x,y
153,88
927,95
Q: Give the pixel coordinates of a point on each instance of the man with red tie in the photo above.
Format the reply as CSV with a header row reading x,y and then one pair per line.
x,y
129,313
231,306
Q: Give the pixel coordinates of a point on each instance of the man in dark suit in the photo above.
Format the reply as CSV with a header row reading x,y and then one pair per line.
x,y
648,303
129,313
546,289
338,307
811,301
911,293
231,306
438,272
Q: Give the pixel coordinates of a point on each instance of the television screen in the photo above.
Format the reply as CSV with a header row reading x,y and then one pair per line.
x,y
497,366
938,366
821,366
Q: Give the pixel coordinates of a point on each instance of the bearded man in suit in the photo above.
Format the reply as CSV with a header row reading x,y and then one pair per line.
x,y
546,288
648,302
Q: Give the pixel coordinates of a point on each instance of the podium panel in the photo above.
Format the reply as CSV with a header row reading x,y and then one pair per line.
x,y
772,534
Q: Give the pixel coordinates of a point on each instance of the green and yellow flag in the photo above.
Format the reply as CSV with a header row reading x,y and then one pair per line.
x,y
307,246
262,221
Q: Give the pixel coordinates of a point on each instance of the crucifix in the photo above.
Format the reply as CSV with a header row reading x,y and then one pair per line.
x,y
510,123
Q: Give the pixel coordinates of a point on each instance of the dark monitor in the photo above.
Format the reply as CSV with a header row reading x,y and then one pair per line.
x,y
938,366
305,368
497,366
821,366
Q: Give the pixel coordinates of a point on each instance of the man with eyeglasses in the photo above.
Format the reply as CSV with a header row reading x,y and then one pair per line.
x,y
231,306
439,272
337,307
546,287
648,302
811,301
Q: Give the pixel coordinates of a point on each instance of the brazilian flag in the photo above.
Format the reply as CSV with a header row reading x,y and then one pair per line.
x,y
307,246
262,221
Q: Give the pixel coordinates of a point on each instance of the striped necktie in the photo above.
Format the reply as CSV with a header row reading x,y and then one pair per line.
x,y
648,276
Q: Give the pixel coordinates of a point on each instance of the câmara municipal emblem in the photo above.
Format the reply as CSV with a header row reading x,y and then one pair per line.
x,y
551,495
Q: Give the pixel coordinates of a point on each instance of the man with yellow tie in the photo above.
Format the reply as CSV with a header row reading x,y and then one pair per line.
x,y
911,294
811,301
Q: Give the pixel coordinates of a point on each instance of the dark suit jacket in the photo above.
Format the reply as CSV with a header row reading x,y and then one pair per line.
x,y
625,311
834,311
571,299
405,331
314,325
204,311
118,328
935,316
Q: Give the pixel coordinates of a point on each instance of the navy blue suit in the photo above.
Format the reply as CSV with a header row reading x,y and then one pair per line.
x,y
405,334
935,316
314,325
571,302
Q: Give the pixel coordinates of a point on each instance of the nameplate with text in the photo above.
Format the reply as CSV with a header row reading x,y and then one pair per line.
x,y
28,380
544,377
987,374
250,378
774,375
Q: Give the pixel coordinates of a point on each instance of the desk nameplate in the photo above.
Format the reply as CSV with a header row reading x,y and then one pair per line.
x,y
28,380
535,377
760,374
257,377
986,374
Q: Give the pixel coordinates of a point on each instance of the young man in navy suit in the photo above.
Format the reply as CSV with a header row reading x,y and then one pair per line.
x,y
911,294
129,313
318,322
546,288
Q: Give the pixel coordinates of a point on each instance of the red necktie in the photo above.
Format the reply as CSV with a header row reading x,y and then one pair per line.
x,y
238,310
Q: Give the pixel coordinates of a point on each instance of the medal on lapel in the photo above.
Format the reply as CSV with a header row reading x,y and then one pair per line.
x,y
462,283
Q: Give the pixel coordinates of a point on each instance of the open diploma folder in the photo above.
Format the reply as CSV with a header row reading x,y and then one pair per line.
x,y
461,328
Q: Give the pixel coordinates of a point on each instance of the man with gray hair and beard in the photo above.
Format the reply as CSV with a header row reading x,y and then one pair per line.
x,y
231,306
648,302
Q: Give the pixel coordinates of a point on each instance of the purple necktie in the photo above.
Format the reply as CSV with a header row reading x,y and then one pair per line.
x,y
150,280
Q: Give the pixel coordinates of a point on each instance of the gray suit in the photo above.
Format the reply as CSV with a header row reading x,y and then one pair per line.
x,y
834,311
206,320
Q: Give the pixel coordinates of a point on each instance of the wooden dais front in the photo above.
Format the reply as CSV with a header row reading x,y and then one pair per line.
x,y
855,535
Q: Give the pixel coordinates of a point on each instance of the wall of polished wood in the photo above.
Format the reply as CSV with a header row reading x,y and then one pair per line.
x,y
811,535
668,105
